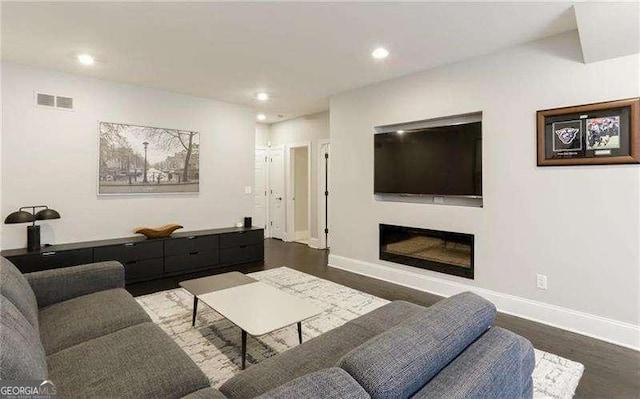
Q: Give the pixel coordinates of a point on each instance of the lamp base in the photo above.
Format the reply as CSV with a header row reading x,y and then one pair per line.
x,y
33,238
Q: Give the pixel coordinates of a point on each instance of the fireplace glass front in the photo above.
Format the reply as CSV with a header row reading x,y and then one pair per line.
x,y
440,251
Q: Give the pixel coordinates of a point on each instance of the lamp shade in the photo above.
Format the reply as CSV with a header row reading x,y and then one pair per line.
x,y
47,214
20,217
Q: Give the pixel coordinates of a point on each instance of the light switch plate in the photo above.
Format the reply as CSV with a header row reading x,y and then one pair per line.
x,y
541,281
247,190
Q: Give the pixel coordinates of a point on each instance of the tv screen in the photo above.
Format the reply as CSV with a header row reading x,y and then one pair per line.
x,y
444,160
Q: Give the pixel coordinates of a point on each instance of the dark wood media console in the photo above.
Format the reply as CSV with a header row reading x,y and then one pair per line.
x,y
148,259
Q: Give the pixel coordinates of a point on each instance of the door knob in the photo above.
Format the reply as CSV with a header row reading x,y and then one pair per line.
x,y
279,198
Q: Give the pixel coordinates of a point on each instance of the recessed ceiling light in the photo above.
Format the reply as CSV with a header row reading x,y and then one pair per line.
x,y
86,59
380,53
261,117
262,96
400,131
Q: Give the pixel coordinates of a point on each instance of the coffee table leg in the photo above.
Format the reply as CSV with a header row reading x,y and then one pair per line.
x,y
195,309
244,347
300,331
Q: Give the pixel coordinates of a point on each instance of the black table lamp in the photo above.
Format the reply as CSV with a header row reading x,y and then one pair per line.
x,y
33,231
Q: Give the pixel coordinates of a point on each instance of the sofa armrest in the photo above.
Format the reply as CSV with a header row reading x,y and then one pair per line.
x,y
498,365
57,285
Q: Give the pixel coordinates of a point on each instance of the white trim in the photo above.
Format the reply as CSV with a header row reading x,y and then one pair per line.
x,y
313,243
320,193
289,185
613,331
301,235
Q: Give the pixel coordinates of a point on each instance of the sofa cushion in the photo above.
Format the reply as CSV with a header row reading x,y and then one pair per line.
x,y
21,355
15,287
497,365
206,393
332,383
317,353
398,362
80,319
135,362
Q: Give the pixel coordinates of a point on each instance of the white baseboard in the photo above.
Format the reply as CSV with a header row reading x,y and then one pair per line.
x,y
314,243
613,331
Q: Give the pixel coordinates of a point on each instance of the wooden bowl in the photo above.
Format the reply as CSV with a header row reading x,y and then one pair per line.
x,y
158,232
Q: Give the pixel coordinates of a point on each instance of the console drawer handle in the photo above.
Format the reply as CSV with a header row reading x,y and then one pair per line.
x,y
129,244
243,246
193,253
50,253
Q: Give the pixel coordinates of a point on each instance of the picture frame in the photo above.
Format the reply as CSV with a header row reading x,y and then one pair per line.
x,y
593,134
141,160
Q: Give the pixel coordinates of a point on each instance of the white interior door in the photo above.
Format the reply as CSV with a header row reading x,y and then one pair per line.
x,y
260,189
276,192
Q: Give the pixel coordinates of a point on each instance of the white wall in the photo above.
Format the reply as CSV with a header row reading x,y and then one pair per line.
x,y
50,157
310,128
577,225
262,134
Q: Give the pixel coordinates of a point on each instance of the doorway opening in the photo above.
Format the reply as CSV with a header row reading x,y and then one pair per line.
x,y
299,193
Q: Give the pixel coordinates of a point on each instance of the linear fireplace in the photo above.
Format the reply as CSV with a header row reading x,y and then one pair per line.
x,y
440,251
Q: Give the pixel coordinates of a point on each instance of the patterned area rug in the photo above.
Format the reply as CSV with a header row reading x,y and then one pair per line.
x,y
214,343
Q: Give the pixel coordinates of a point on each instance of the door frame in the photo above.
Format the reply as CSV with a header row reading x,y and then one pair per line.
x,y
290,233
267,225
322,242
275,148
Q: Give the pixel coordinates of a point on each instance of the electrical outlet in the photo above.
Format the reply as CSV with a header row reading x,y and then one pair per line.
x,y
247,190
541,281
438,200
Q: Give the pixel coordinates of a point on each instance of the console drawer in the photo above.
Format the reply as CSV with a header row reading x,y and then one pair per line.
x,y
187,245
52,259
244,253
191,261
241,238
133,251
143,269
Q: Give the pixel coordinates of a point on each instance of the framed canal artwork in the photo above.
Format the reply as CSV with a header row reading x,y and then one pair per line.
x,y
592,134
147,160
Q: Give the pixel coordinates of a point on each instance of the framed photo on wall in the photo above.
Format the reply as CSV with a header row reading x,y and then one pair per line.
x,y
147,160
593,134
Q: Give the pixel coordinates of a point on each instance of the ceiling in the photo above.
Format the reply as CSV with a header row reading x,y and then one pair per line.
x,y
299,53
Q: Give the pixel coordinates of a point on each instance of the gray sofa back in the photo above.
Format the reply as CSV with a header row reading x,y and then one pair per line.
x,y
15,287
497,365
22,356
400,361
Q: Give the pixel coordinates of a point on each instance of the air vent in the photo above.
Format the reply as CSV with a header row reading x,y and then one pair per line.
x,y
64,102
54,102
46,100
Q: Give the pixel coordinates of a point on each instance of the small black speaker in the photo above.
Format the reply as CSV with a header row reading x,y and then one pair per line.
x,y
247,222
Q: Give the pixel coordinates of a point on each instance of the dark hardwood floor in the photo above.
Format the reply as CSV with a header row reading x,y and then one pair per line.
x,y
611,371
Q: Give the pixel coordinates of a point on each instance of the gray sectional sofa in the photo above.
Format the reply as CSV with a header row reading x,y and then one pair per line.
x,y
79,328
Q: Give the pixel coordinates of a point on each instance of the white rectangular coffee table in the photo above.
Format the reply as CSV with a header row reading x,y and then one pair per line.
x,y
258,309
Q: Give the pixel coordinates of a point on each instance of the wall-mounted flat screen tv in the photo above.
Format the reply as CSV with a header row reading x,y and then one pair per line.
x,y
445,160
